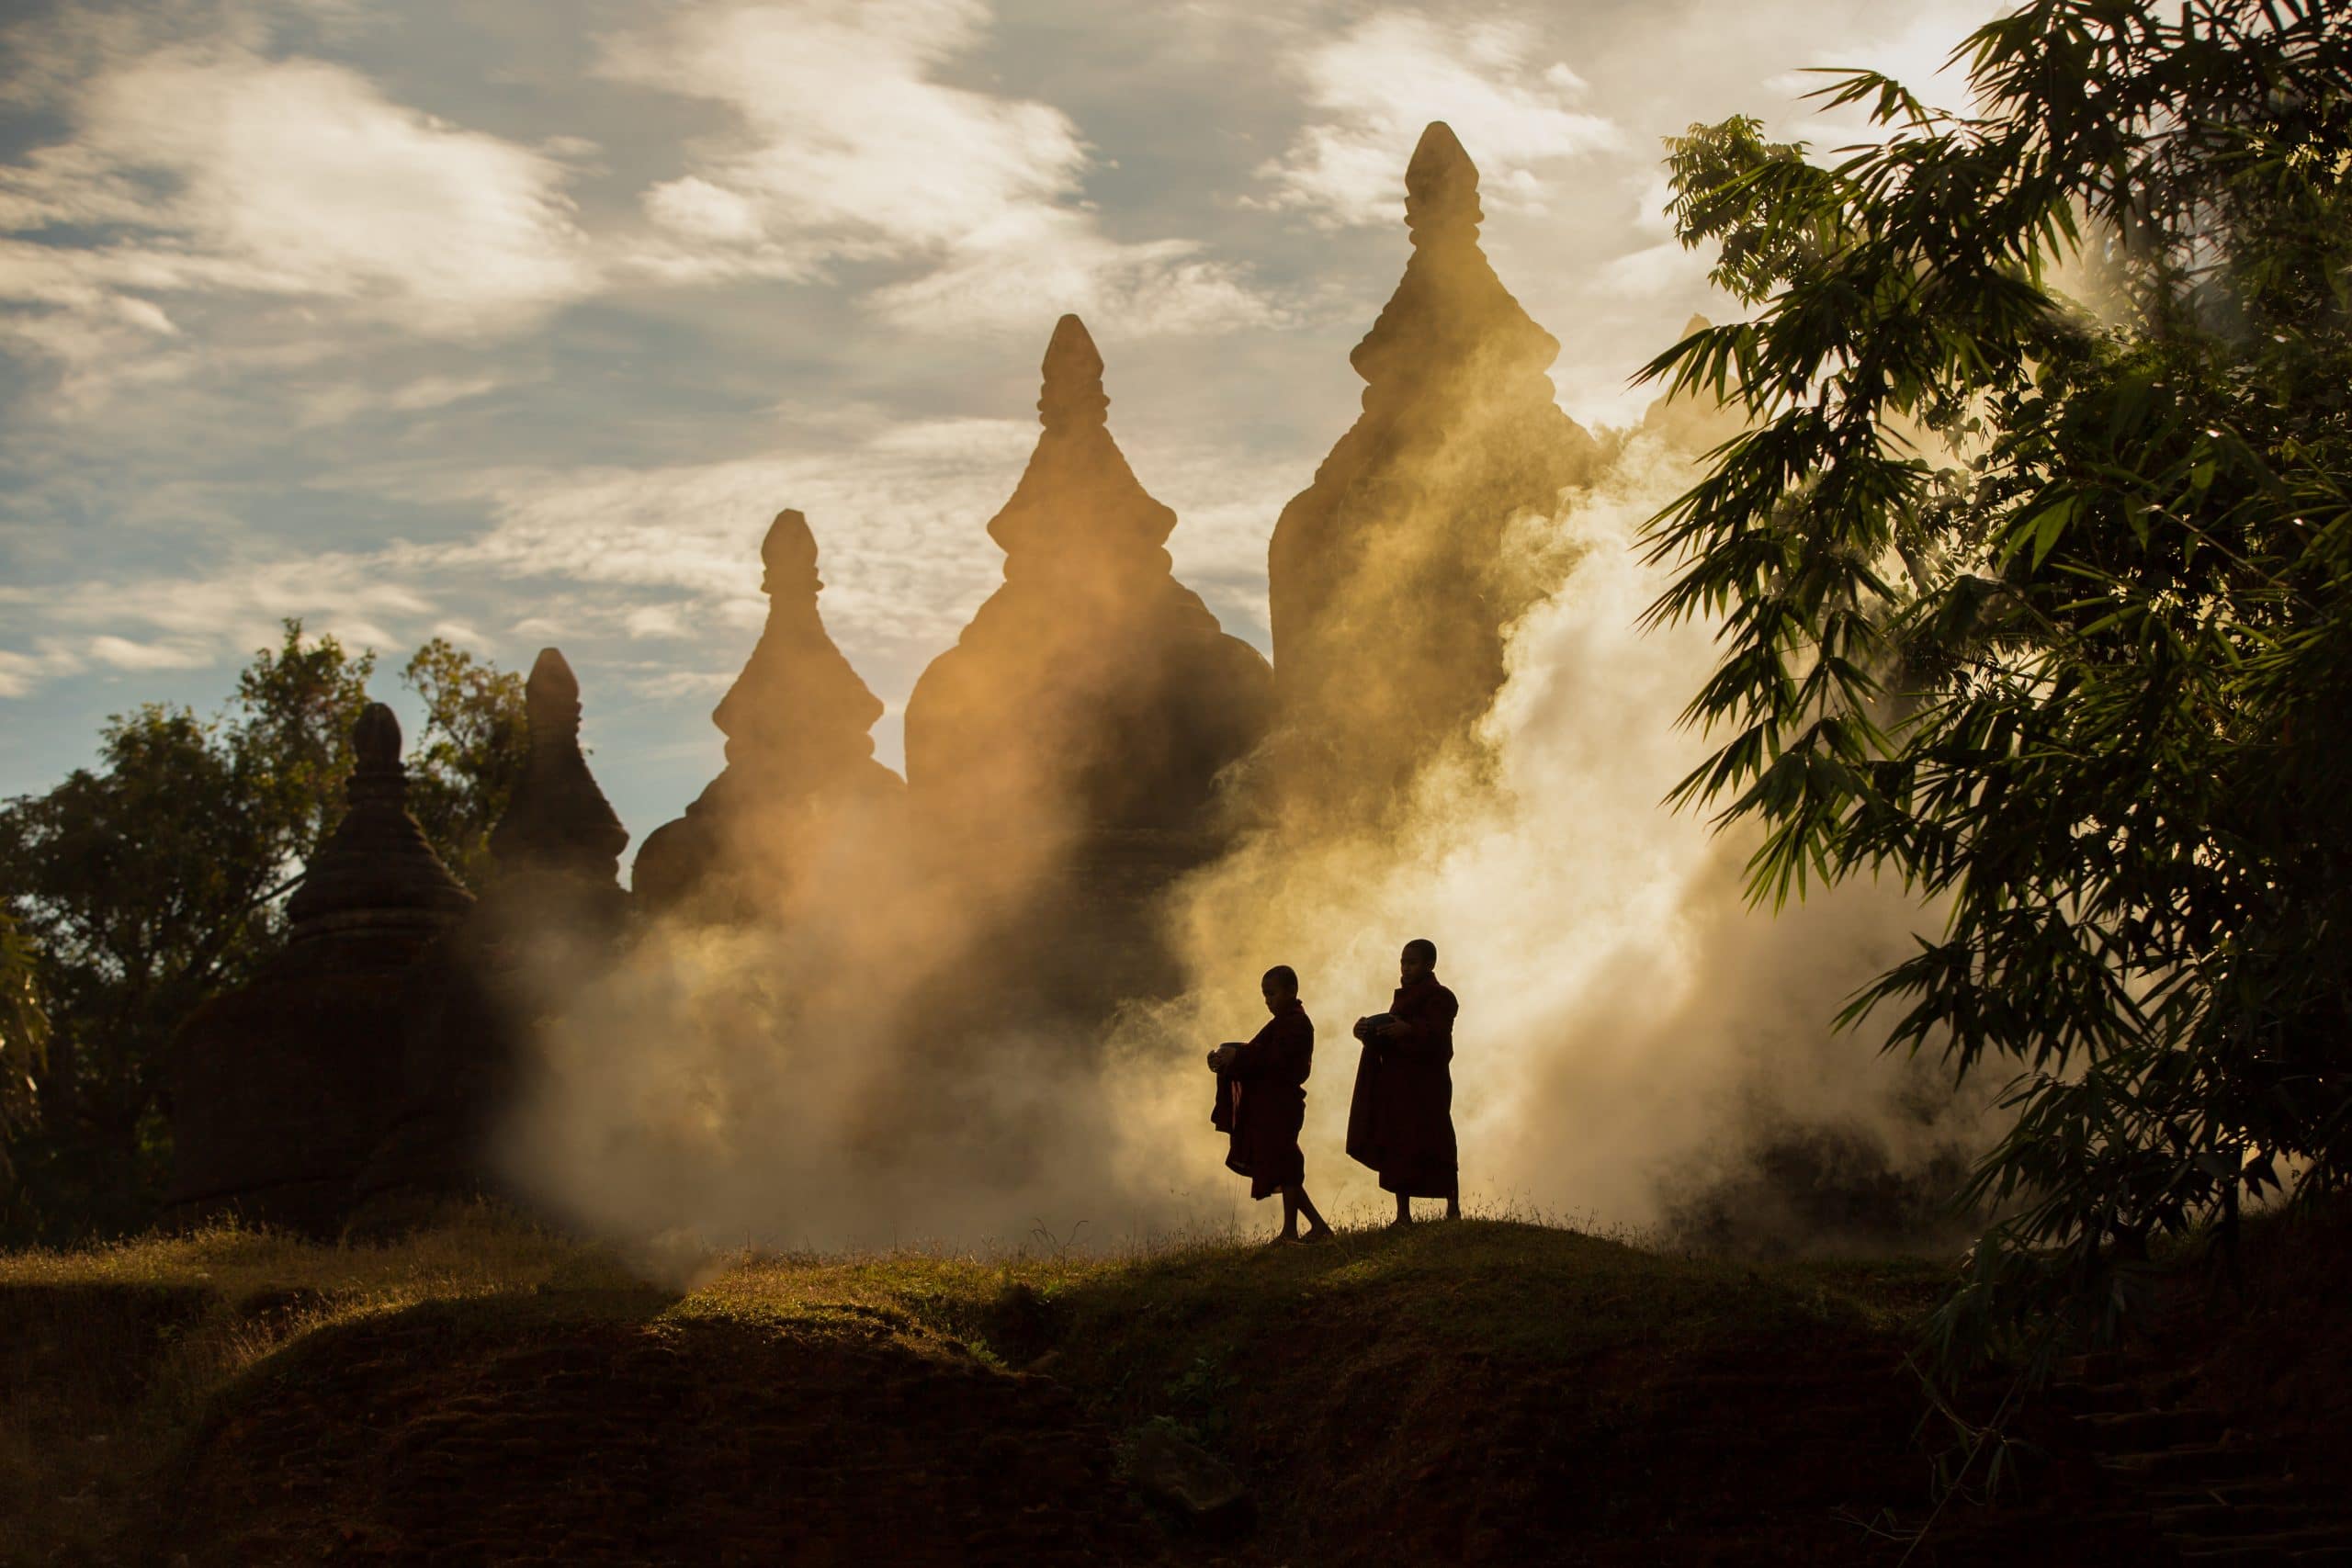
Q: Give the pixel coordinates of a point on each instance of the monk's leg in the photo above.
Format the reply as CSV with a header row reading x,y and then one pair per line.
x,y
1290,1214
1404,1211
1454,1199
1315,1229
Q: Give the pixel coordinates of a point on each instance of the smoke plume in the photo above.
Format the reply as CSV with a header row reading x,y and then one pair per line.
x,y
1633,1034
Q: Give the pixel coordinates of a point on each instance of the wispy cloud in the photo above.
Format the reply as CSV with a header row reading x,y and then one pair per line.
x,y
202,169
848,146
1379,82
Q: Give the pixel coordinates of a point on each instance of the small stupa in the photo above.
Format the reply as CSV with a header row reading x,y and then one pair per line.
x,y
1091,690
1394,577
281,1089
799,753
552,913
557,821
1073,745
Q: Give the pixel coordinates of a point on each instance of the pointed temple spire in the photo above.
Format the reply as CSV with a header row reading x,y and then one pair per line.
x,y
1090,651
280,1088
1441,186
375,872
798,722
1081,724
1079,515
557,819
1394,577
1073,394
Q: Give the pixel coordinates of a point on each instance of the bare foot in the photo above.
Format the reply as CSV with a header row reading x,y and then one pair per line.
x,y
1285,1239
1399,1222
1318,1234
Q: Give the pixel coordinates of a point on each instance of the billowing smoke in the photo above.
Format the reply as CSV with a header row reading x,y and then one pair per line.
x,y
1633,1034
1635,1043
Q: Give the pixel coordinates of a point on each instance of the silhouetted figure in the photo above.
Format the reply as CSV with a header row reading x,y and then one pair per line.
x,y
1261,1102
1394,577
1400,1122
798,756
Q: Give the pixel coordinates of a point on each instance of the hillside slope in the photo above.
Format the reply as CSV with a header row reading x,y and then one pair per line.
x,y
1477,1392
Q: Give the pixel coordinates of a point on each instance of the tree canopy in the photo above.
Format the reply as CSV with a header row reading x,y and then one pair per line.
x,y
138,887
2031,565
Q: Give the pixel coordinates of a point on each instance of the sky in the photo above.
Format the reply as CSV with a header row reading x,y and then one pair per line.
x,y
516,323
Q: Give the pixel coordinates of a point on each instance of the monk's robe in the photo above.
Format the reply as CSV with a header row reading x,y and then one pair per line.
x,y
1265,1099
1400,1121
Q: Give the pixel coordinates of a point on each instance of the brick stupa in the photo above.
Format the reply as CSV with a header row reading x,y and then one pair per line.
x,y
281,1089
799,756
1085,716
1394,577
553,912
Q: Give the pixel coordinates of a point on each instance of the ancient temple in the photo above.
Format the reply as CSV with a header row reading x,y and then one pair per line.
x,y
1081,723
798,754
557,822
1092,688
282,1090
1394,577
553,911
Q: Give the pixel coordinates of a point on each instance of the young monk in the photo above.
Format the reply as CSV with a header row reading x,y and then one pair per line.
x,y
1262,1101
1400,1122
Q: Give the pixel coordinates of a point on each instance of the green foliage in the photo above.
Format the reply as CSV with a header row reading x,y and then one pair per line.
x,y
2041,601
464,761
156,879
23,1035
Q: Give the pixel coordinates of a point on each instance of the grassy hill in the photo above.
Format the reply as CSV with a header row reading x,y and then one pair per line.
x,y
1481,1392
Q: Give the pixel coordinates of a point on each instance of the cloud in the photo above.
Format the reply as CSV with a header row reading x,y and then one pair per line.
x,y
204,167
848,147
1378,84
204,618
121,653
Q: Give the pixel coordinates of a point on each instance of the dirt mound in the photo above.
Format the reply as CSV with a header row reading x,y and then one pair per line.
x,y
487,1433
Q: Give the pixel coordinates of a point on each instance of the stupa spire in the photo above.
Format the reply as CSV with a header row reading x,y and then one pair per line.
x,y
797,722
1441,187
1079,515
1072,395
375,872
557,819
1394,577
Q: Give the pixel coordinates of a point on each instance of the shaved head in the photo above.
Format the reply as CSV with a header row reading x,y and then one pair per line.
x,y
1422,948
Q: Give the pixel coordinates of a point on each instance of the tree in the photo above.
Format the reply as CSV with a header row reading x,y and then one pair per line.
x,y
24,1037
464,761
157,879
2045,602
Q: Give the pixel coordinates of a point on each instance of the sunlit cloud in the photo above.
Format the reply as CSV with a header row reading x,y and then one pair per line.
x,y
1378,84
848,146
207,169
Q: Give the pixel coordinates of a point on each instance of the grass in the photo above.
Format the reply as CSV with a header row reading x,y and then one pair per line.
x,y
1341,1373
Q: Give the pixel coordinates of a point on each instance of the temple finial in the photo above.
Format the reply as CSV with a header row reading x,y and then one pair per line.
x,y
551,696
788,556
375,740
1073,379
1441,184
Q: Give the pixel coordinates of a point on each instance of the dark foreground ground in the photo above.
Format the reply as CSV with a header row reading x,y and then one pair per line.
x,y
1477,1392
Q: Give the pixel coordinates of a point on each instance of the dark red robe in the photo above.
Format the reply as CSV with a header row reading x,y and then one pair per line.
x,y
1262,1099
1400,1122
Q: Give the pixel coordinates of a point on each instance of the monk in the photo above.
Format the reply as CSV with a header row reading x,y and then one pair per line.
x,y
1262,1101
1400,1122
